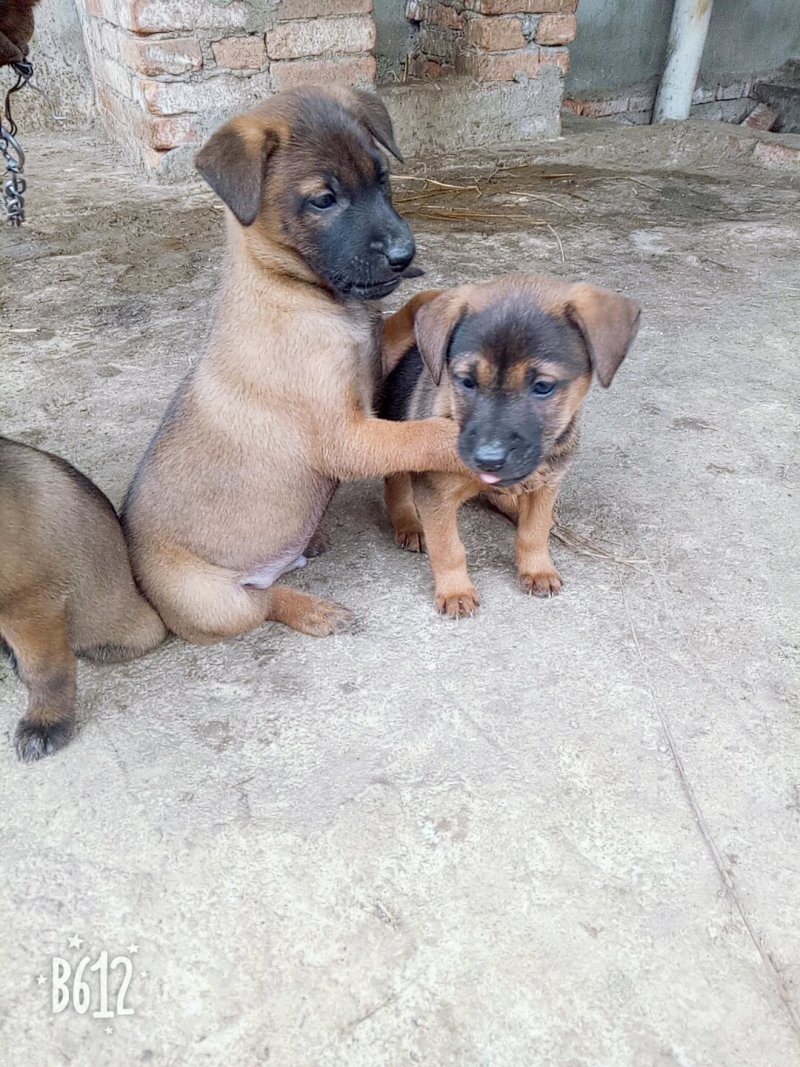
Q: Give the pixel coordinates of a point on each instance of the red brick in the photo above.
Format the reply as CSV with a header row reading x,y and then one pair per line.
x,y
555,57
520,7
775,154
602,106
731,91
177,55
321,37
495,34
223,93
240,53
641,101
704,95
311,9
167,16
351,71
157,132
761,118
556,29
443,15
494,67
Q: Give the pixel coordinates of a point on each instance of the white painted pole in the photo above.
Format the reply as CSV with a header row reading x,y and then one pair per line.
x,y
687,38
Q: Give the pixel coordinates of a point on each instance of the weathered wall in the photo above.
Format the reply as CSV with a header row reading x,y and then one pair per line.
x,y
393,35
622,42
62,70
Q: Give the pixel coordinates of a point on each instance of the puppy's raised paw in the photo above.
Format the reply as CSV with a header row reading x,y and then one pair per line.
x,y
35,740
324,619
412,539
542,584
461,605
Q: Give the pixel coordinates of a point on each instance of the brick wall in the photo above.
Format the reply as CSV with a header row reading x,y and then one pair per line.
x,y
491,40
167,72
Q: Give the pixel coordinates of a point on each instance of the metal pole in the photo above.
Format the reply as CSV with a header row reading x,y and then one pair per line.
x,y
687,38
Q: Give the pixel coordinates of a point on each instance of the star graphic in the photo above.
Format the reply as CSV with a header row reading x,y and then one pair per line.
x,y
75,941
144,975
109,1030
133,949
41,980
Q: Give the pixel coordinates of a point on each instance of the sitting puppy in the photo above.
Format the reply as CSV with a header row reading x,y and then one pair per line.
x,y
511,362
66,588
279,409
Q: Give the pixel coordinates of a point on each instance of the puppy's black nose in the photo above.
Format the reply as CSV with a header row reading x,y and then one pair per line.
x,y
400,253
490,456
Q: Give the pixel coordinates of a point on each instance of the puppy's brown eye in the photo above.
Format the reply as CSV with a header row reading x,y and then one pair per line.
x,y
542,388
465,381
323,201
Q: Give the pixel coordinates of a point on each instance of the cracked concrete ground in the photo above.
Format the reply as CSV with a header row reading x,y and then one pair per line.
x,y
562,833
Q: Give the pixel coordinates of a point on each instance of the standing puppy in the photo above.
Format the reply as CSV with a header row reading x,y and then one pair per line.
x,y
511,362
232,489
66,588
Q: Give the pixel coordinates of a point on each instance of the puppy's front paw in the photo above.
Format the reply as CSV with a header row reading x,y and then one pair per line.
x,y
542,583
462,605
35,740
325,618
411,538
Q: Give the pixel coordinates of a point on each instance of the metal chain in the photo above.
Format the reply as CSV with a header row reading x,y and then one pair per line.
x,y
14,184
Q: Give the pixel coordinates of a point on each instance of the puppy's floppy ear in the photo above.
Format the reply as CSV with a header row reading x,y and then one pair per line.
x,y
434,326
371,112
234,162
398,329
608,324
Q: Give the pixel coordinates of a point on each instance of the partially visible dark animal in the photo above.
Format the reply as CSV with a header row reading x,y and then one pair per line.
x,y
16,29
66,589
511,362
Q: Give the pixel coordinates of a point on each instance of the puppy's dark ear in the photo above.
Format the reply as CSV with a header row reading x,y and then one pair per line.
x,y
234,163
434,326
608,324
371,112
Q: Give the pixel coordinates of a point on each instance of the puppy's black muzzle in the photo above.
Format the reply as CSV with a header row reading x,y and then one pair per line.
x,y
502,459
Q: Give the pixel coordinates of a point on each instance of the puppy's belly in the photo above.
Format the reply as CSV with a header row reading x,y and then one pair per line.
x,y
264,577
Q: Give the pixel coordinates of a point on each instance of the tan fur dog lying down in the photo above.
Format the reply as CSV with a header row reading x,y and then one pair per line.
x,y
66,588
279,409
511,362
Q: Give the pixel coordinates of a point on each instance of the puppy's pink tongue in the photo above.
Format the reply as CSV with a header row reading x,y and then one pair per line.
x,y
490,479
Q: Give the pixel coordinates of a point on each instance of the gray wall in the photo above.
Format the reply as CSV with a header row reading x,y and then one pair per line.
x,y
622,42
393,32
62,70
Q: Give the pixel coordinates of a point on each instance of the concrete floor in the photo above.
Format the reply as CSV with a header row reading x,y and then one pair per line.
x,y
563,833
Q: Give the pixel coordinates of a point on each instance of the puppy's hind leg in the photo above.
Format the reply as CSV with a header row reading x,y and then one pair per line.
x,y
36,630
130,633
399,496
208,604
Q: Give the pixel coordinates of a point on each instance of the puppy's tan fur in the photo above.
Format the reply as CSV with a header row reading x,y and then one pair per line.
x,y
276,413
424,507
66,588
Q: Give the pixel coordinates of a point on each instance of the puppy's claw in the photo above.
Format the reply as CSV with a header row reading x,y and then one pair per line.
x,y
325,619
412,540
458,605
542,584
34,740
